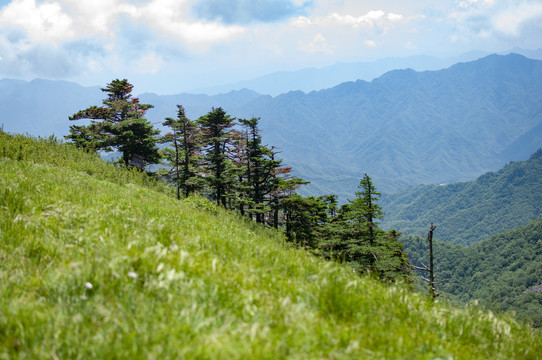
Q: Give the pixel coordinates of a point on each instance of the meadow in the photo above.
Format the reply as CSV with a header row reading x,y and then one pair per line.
x,y
100,262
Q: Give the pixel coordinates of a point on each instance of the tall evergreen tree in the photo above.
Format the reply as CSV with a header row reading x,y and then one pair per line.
x,y
216,127
260,169
185,137
118,125
353,236
364,209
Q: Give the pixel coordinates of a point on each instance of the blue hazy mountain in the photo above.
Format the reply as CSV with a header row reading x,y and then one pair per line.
x,y
403,128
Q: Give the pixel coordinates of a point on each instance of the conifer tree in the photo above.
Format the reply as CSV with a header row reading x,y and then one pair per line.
x,y
260,169
353,236
364,209
118,125
216,127
185,137
305,218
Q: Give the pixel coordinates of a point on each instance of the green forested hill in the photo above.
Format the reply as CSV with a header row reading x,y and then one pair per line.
x,y
471,211
98,262
502,272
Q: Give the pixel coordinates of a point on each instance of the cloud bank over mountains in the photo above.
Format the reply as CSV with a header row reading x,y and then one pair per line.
x,y
190,42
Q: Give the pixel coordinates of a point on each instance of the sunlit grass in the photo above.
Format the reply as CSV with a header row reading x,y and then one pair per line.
x,y
95,263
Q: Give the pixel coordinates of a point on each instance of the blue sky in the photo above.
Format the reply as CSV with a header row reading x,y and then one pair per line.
x,y
169,46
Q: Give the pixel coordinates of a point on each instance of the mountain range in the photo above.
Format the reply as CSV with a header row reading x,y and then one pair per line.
x,y
311,79
403,128
406,127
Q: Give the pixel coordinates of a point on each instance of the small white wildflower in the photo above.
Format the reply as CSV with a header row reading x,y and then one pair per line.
x,y
132,275
88,285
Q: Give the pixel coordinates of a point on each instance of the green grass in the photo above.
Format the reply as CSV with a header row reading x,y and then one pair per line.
x,y
96,262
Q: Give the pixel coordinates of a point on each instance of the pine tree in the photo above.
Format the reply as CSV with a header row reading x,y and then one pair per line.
x,y
353,236
305,218
185,137
260,170
217,142
118,125
364,209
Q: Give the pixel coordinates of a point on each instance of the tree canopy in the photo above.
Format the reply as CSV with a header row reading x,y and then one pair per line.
x,y
117,125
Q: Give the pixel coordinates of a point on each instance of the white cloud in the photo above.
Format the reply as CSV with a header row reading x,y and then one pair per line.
x,y
171,17
373,18
45,22
317,45
509,21
488,18
66,20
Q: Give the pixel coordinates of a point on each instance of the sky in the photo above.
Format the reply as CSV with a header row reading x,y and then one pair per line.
x,y
172,46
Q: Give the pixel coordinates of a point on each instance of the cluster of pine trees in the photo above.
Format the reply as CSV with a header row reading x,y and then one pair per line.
x,y
223,159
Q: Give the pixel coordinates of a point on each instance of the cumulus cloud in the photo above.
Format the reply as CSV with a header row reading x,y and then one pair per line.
x,y
486,18
510,21
249,11
116,31
43,22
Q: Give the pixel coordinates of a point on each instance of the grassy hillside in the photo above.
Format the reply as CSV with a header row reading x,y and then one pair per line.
x,y
97,262
503,272
471,211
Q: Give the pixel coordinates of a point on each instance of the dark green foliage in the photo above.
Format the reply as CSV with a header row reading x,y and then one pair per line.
x,y
375,251
216,127
498,271
305,218
364,210
260,170
118,125
471,211
184,158
349,234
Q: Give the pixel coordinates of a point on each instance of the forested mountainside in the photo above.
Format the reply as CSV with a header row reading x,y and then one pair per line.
x,y
471,211
408,128
404,128
503,272
86,246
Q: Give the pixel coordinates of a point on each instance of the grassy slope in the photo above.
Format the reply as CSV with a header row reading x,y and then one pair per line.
x,y
101,266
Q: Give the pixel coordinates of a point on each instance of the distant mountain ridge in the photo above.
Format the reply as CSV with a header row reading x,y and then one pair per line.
x,y
406,127
403,128
314,79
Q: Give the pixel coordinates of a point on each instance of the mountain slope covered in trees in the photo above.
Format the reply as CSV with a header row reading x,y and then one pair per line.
x,y
407,128
98,261
503,272
471,211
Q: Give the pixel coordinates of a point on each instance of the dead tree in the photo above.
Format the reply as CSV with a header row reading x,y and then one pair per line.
x,y
431,267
